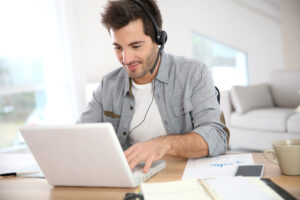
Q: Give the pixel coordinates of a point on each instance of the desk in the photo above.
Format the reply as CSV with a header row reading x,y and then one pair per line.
x,y
36,188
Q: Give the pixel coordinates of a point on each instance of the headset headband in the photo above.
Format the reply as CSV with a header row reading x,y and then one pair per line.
x,y
148,14
160,36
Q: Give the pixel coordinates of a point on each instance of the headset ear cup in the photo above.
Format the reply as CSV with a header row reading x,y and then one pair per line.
x,y
164,37
161,38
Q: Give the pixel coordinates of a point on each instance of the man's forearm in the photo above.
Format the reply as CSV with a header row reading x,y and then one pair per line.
x,y
189,145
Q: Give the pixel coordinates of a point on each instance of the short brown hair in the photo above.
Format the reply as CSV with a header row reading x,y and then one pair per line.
x,y
118,13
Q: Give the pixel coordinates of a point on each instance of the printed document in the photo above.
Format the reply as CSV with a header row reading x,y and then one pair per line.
x,y
216,167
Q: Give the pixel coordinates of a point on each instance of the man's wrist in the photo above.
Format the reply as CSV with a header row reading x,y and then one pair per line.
x,y
188,145
166,144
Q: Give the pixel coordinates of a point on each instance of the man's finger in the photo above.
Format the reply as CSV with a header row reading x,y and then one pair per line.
x,y
129,150
133,155
133,163
148,165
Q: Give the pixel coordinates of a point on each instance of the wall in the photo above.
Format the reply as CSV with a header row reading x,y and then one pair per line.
x,y
231,22
290,17
96,50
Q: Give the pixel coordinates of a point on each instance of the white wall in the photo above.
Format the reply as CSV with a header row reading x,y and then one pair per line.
x,y
251,27
230,22
290,17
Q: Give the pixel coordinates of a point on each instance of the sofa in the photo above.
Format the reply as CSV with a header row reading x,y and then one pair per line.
x,y
261,113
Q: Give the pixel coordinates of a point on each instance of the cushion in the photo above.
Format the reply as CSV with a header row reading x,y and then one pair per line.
x,y
293,123
267,119
285,87
246,98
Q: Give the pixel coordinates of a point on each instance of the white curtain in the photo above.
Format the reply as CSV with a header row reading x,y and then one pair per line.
x,y
63,78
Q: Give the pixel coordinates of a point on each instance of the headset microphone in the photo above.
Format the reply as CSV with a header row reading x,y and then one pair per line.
x,y
156,60
157,57
160,35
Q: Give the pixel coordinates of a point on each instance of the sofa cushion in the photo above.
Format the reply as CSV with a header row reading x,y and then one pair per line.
x,y
293,123
285,87
246,98
267,119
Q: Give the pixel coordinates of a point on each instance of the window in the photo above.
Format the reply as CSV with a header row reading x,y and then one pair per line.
x,y
34,80
22,96
227,65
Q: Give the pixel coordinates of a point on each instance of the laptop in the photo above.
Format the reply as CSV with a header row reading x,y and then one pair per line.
x,y
84,155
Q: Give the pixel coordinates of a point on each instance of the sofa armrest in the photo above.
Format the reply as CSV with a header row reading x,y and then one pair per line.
x,y
226,105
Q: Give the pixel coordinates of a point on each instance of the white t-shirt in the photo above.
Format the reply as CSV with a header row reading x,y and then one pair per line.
x,y
152,126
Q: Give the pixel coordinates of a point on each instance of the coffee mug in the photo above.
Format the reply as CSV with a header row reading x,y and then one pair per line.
x,y
286,153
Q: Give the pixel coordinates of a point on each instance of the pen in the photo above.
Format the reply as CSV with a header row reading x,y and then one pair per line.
x,y
18,173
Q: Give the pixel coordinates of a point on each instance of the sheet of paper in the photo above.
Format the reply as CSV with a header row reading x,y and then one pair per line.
x,y
23,162
32,168
215,167
15,162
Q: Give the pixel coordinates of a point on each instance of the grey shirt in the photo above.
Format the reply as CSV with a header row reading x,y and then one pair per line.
x,y
184,94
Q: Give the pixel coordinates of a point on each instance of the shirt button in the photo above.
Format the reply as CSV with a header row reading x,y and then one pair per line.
x,y
166,122
124,133
131,107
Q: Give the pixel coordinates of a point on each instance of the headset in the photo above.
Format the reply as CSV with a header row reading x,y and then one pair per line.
x,y
160,35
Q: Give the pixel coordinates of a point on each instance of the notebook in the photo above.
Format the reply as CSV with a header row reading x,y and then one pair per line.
x,y
232,188
83,155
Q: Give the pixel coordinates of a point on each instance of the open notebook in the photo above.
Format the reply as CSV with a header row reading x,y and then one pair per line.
x,y
234,188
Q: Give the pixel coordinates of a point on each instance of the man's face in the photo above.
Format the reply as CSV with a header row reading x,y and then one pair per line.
x,y
135,50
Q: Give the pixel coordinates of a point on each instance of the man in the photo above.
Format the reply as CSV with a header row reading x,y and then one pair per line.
x,y
159,104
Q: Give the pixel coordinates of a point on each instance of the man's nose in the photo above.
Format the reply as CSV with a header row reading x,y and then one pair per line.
x,y
128,57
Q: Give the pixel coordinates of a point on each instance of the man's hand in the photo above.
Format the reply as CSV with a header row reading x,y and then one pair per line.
x,y
189,145
148,152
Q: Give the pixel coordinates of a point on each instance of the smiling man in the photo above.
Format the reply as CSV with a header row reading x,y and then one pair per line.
x,y
159,104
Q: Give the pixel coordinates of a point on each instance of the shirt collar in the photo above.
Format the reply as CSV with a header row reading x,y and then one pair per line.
x,y
164,68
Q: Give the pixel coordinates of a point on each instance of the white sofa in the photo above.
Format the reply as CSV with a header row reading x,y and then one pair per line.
x,y
259,114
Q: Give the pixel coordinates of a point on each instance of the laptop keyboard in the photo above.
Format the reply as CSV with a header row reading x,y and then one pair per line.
x,y
140,176
138,172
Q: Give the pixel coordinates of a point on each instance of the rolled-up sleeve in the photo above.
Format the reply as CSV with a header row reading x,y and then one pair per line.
x,y
206,113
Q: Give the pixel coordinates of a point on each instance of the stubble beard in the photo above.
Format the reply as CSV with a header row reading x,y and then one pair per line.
x,y
145,68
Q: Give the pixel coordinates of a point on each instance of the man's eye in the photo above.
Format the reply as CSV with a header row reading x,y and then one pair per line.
x,y
117,48
136,46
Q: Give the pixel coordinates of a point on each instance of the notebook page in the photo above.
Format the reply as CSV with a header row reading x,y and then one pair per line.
x,y
237,188
191,189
